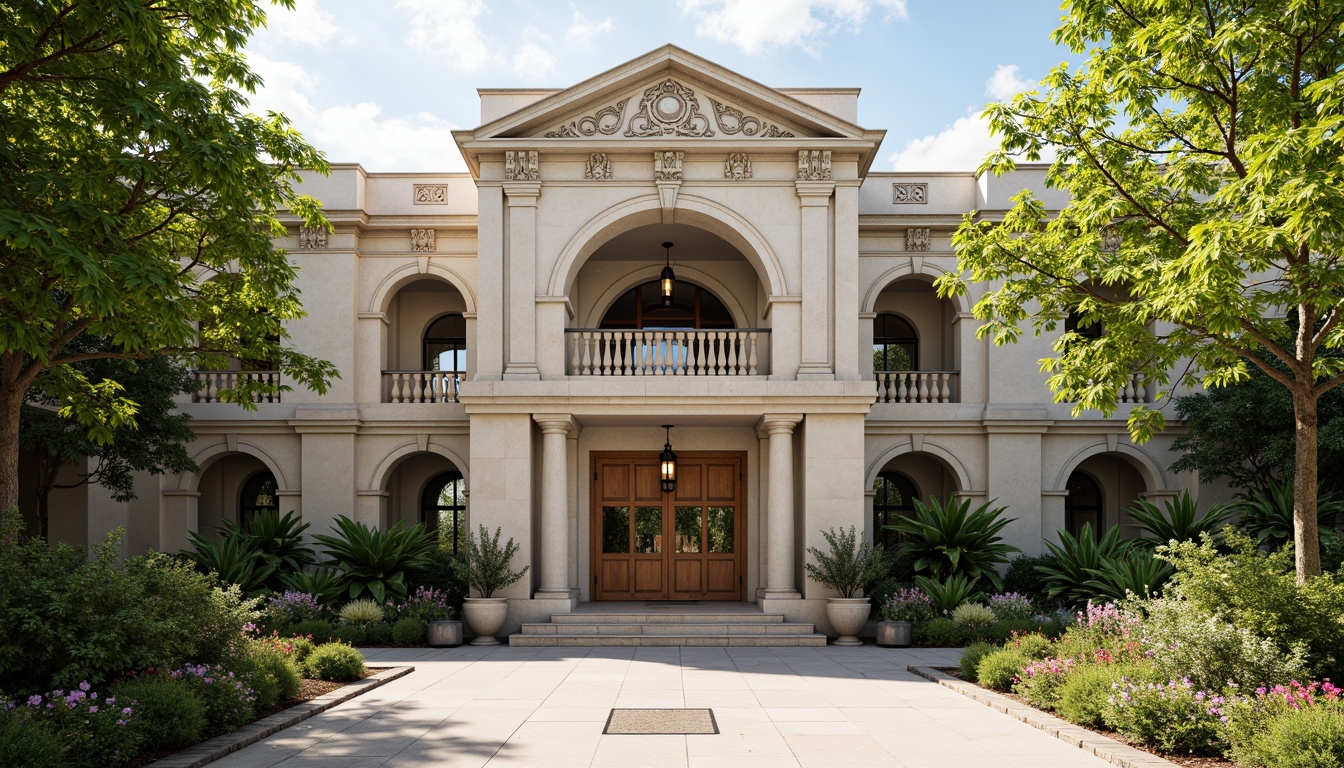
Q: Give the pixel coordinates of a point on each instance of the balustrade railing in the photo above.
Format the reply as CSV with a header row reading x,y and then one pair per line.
x,y
421,386
211,383
916,386
1135,390
657,352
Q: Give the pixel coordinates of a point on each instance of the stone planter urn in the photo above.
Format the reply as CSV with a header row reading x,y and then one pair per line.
x,y
485,615
893,634
444,634
847,616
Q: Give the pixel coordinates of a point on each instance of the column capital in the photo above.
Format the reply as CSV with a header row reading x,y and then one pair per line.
x,y
522,193
780,423
554,423
814,192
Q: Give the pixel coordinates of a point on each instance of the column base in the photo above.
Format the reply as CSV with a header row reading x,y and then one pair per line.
x,y
566,593
816,371
522,372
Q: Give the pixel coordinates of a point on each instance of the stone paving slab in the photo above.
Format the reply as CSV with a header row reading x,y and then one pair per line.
x,y
507,706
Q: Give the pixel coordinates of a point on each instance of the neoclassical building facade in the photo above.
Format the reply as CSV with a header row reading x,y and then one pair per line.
x,y
509,355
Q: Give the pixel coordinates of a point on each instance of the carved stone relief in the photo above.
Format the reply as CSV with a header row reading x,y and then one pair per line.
x,y
312,237
917,239
814,164
905,194
737,166
521,165
733,121
669,109
431,194
598,167
604,121
667,166
422,240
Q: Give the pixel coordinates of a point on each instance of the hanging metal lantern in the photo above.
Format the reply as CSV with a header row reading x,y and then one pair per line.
x,y
667,279
667,462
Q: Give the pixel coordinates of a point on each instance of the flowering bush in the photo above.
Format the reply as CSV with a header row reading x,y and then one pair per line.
x,y
1174,716
96,731
291,607
1010,606
227,698
910,605
426,604
169,714
1039,682
1184,641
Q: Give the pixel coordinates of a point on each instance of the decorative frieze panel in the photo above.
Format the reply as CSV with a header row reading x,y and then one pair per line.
x,y
430,194
605,121
598,167
669,109
737,166
733,121
667,166
521,165
422,240
814,165
917,239
312,237
907,194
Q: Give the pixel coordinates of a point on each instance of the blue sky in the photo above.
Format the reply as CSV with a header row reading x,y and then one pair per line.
x,y
383,82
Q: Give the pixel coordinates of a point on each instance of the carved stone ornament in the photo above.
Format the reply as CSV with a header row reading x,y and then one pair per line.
x,y
605,121
814,165
521,165
917,239
733,121
598,167
667,166
669,109
431,194
737,166
907,194
312,237
422,240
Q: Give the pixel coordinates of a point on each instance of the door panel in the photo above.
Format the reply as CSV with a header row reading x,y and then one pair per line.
x,y
722,485
689,487
647,486
616,482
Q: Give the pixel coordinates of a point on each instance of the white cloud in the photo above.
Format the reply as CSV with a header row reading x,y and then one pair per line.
x,y
583,31
533,62
355,132
754,26
307,24
1004,84
447,29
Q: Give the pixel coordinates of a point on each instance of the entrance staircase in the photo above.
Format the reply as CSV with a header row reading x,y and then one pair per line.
x,y
664,624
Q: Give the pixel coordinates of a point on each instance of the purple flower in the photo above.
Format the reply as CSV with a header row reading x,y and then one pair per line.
x,y
93,710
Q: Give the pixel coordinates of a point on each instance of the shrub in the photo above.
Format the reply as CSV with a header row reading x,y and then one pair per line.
x,y
426,604
999,669
1082,697
948,594
376,560
1184,641
324,583
379,633
350,634
909,605
97,731
265,665
227,697
1075,558
335,662
948,538
1296,726
1010,605
1025,579
1039,682
940,631
1001,632
408,631
1034,646
300,647
973,616
319,631
442,573
27,742
1098,626
168,714
849,564
292,607
971,657
1173,716
361,612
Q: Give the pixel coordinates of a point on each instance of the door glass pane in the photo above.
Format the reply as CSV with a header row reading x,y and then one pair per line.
x,y
615,530
688,529
720,529
648,530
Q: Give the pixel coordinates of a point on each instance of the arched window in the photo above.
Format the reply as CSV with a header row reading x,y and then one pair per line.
x,y
894,497
445,345
259,495
1083,504
1074,324
895,344
692,307
443,509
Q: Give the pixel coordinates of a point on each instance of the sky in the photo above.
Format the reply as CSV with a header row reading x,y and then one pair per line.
x,y
384,82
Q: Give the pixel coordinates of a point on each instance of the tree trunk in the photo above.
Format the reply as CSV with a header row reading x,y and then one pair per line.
x,y
1306,537
11,404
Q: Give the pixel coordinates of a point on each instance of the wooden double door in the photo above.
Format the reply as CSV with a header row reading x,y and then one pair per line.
x,y
687,544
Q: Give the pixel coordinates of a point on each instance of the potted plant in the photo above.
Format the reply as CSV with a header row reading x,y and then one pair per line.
x,y
850,565
430,605
486,568
898,615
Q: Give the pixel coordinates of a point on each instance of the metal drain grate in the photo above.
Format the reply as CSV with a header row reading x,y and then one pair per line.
x,y
661,722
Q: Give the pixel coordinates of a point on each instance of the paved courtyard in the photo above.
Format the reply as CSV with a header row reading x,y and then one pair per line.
x,y
775,707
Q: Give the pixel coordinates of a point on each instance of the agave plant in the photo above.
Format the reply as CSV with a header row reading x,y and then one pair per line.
x,y
1267,515
950,593
233,559
376,560
278,539
1180,520
1076,558
322,582
947,538
1135,572
851,564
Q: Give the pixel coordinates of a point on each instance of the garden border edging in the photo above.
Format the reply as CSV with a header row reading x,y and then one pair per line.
x,y
1108,749
215,749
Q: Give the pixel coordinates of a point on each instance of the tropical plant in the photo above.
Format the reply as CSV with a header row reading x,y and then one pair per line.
x,y
278,539
850,563
1267,515
323,582
1076,559
948,594
947,538
1133,572
488,566
1180,519
376,560
233,558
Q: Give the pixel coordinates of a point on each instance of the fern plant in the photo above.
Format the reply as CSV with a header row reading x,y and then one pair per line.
x,y
1180,520
488,566
850,564
1075,560
947,538
377,560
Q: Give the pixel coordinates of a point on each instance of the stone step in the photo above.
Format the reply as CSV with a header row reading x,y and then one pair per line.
x,y
699,641
726,617
655,628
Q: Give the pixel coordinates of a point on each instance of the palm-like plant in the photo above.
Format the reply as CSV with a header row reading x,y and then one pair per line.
x,y
949,594
1267,515
1076,559
376,560
947,538
1135,572
278,539
233,559
1180,520
851,564
488,565
322,582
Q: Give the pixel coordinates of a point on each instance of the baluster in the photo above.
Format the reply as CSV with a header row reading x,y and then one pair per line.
x,y
945,388
886,387
576,359
700,351
751,353
895,387
901,390
711,354
207,390
439,378
587,339
624,350
604,351
656,352
1140,388
646,353
677,348
731,339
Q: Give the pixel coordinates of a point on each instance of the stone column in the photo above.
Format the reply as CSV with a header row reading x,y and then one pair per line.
x,y
554,505
522,280
815,253
780,580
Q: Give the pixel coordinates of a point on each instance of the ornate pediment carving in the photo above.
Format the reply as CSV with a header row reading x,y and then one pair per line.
x,y
733,121
667,166
669,109
604,121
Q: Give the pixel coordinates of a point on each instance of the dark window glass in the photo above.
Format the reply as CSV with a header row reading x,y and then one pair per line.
x,y
719,529
259,495
1083,504
648,530
894,496
1073,323
688,529
445,345
692,307
615,530
895,344
443,510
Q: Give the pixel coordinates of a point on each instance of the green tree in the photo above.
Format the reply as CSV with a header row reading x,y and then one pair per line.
x,y
154,444
1200,145
138,202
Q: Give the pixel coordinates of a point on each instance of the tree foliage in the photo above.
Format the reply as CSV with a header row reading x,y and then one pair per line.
x,y
1201,149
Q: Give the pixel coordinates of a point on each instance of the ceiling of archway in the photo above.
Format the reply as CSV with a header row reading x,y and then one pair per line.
x,y
643,244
